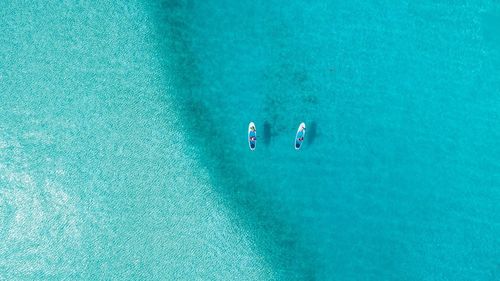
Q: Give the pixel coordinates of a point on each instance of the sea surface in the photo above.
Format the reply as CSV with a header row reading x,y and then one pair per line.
x,y
123,150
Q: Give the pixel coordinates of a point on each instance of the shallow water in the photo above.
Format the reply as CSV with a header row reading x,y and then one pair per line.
x,y
123,151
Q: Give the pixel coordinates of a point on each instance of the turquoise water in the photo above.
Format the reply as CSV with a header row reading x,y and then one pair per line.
x,y
123,151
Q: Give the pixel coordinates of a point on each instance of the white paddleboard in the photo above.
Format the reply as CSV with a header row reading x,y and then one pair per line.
x,y
299,136
252,136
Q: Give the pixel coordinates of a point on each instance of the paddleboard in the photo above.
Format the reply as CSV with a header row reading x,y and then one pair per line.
x,y
299,136
252,136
